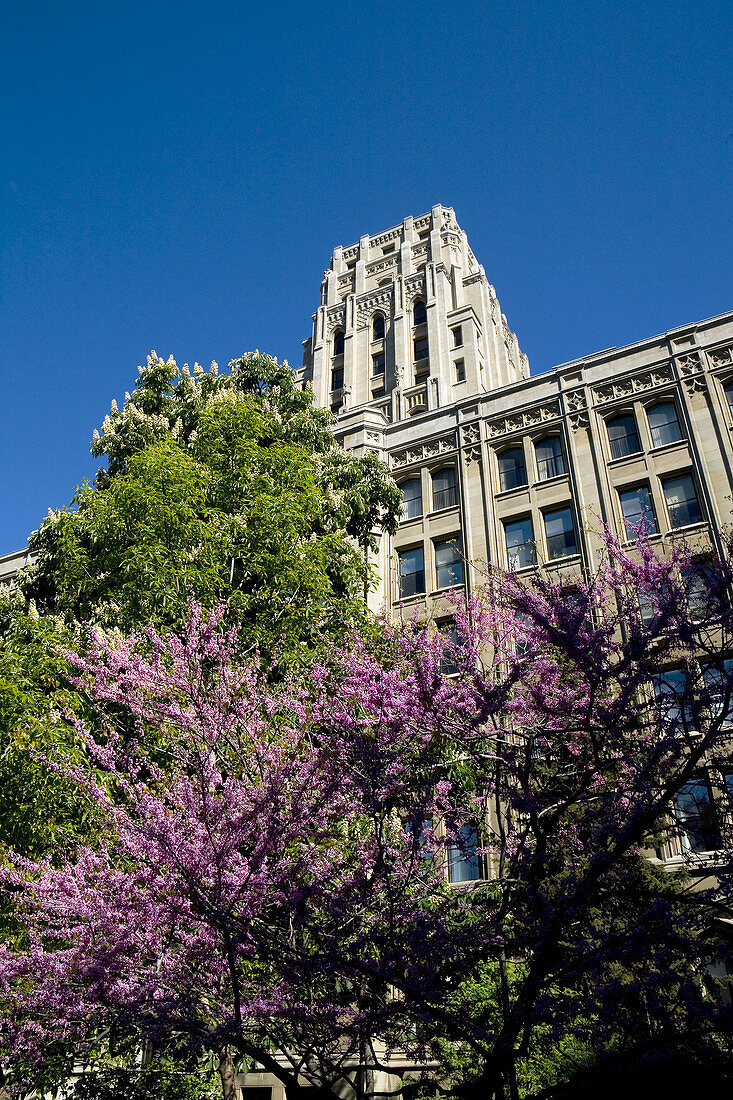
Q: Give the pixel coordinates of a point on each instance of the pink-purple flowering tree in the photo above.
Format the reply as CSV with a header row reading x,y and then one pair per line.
x,y
448,849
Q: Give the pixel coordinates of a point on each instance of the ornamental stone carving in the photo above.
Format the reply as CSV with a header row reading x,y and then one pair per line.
x,y
376,300
721,357
694,384
336,317
579,420
423,451
471,433
414,285
690,364
530,418
472,454
576,400
637,383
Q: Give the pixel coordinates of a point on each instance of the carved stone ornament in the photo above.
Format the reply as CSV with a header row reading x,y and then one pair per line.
x,y
471,433
472,454
721,357
422,451
420,249
449,221
375,437
414,285
579,420
336,317
385,238
690,364
695,384
376,300
386,264
530,418
637,383
576,400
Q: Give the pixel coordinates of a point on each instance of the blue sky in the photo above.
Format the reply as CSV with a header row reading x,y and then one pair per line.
x,y
176,175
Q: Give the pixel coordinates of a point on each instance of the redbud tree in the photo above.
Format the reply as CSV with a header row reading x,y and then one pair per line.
x,y
272,876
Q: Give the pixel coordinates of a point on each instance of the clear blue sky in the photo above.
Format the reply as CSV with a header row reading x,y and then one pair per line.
x,y
176,175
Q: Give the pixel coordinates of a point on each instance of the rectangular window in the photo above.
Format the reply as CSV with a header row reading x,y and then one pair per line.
x,y
548,453
636,506
520,549
337,379
448,563
673,703
622,436
411,498
458,337
378,364
451,645
696,817
560,533
682,503
463,863
421,349
445,489
512,469
412,572
663,424
460,370
718,681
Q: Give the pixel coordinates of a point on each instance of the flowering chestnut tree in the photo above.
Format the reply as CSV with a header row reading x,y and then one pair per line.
x,y
272,875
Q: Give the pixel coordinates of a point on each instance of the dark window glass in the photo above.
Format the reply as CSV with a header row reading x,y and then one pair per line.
x,y
719,684
421,349
550,461
663,424
338,344
519,543
696,816
458,337
378,364
337,379
448,564
460,370
636,506
463,857
622,436
378,327
673,705
419,313
411,498
560,533
445,489
412,572
682,502
512,470
729,396
702,591
451,645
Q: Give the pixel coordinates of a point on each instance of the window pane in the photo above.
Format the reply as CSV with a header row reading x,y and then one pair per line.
x,y
682,503
550,462
636,506
519,543
719,683
411,498
412,572
378,327
445,490
337,379
451,645
338,344
419,316
622,436
696,816
664,424
460,370
448,563
421,349
670,689
560,533
378,364
729,396
512,470
458,337
463,857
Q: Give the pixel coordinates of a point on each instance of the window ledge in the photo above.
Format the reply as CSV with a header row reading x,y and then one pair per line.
x,y
562,559
442,511
508,492
663,447
700,525
407,601
411,519
614,462
556,478
448,588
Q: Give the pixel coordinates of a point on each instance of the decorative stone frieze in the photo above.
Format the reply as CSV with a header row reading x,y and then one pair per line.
x,y
414,285
690,363
529,418
471,433
721,357
388,263
421,451
336,316
637,383
376,299
385,238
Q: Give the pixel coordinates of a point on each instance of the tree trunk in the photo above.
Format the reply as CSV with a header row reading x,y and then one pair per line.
x,y
226,1074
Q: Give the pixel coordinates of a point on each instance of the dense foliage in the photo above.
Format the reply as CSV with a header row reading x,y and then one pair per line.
x,y
278,882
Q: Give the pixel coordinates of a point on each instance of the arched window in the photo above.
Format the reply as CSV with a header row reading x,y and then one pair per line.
x,y
419,313
663,424
512,469
550,461
338,343
623,437
378,326
445,488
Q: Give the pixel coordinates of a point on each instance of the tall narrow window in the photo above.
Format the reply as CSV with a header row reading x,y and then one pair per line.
x,y
460,370
337,379
338,343
412,572
729,396
445,489
448,564
682,503
463,865
411,498
419,313
673,701
550,461
663,424
636,506
421,349
696,816
457,337
520,550
622,436
378,362
560,533
512,469
378,327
